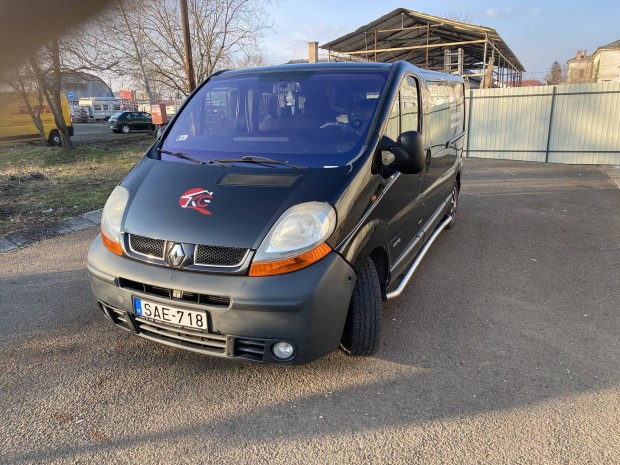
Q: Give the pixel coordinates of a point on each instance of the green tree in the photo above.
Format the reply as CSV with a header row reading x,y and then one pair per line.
x,y
556,75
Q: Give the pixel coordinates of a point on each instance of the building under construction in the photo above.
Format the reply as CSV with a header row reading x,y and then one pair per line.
x,y
430,42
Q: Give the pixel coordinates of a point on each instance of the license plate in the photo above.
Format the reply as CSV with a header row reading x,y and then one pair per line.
x,y
111,127
171,315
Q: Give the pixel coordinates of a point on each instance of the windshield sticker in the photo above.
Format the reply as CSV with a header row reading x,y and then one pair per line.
x,y
182,137
197,199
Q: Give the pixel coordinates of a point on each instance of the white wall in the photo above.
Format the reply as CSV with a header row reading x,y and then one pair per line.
x,y
576,124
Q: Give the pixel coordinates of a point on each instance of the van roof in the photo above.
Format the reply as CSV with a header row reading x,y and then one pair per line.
x,y
425,74
309,67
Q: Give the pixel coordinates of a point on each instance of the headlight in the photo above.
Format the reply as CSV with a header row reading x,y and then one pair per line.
x,y
296,240
111,219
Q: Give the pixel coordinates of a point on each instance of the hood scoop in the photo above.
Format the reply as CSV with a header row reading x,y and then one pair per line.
x,y
258,180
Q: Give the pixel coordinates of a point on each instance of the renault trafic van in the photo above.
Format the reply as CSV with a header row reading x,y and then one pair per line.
x,y
280,207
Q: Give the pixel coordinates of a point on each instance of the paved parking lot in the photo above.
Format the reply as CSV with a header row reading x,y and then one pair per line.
x,y
505,348
88,133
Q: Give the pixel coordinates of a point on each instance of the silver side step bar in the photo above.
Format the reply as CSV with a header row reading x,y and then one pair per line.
x,y
401,287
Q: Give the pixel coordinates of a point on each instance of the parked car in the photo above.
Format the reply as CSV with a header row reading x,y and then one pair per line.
x,y
280,207
128,121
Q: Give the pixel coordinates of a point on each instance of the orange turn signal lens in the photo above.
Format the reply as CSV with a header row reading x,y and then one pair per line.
x,y
112,246
290,264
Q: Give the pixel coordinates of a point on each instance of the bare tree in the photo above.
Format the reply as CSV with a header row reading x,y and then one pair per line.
x,y
458,15
224,33
119,34
46,68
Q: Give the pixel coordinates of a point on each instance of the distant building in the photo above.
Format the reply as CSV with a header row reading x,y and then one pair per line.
x,y
430,42
607,63
602,66
82,85
580,68
524,83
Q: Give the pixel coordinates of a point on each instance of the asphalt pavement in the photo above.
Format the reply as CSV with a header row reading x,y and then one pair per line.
x,y
88,133
504,349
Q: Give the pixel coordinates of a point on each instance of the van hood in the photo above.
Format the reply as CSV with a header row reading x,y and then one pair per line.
x,y
232,206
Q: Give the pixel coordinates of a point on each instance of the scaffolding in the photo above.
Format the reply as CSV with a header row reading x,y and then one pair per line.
x,y
431,42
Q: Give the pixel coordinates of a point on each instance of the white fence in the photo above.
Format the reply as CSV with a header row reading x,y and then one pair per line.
x,y
576,124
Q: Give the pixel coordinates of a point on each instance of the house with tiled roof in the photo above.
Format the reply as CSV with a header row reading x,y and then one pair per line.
x,y
606,61
580,68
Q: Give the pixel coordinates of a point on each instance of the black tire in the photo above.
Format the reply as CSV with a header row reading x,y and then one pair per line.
x,y
454,203
54,139
362,330
125,129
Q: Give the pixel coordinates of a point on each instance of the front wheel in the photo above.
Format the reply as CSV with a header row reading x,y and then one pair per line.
x,y
125,129
362,331
55,139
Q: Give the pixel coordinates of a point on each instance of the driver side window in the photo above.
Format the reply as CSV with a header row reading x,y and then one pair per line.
x,y
404,115
409,105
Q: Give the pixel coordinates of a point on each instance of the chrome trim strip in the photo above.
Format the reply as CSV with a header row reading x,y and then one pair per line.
x,y
130,236
455,138
439,213
401,287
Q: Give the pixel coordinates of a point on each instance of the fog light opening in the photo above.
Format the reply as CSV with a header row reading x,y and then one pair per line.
x,y
283,350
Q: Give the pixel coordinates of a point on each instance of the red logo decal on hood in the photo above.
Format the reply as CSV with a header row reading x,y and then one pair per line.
x,y
197,199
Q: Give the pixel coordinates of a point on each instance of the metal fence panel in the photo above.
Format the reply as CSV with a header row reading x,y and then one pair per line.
x,y
578,124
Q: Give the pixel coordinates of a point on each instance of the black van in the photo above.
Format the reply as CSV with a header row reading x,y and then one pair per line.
x,y
280,207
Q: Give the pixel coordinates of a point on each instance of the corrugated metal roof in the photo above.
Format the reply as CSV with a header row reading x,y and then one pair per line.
x,y
397,34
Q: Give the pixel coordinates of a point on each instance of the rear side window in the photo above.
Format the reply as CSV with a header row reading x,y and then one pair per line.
x,y
446,109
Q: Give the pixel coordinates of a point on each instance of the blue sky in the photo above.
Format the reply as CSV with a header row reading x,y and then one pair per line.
x,y
538,32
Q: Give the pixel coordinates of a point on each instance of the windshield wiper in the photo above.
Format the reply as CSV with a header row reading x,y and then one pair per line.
x,y
261,161
193,160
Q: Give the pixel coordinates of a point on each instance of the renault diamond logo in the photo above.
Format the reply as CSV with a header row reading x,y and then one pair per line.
x,y
176,255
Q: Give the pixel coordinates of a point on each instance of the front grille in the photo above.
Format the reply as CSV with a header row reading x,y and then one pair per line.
x,y
186,338
207,255
206,299
182,337
203,255
147,246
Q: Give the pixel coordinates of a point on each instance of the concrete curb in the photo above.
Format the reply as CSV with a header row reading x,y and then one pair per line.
x,y
69,225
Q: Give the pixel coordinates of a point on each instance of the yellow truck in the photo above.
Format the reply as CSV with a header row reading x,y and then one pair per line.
x,y
16,123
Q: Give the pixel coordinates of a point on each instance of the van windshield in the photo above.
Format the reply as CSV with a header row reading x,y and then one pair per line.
x,y
313,118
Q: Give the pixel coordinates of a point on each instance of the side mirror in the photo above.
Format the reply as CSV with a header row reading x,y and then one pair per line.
x,y
408,152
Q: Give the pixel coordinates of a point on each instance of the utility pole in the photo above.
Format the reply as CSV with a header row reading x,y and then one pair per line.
x,y
187,45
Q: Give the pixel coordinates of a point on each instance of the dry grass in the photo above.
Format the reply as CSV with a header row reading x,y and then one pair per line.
x,y
40,185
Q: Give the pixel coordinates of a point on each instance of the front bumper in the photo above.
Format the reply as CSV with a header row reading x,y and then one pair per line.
x,y
247,315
